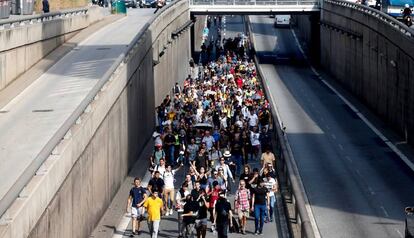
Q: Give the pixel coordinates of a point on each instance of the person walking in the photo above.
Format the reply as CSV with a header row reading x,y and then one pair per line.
x,y
155,207
223,216
136,199
201,222
45,6
242,205
271,185
189,216
259,200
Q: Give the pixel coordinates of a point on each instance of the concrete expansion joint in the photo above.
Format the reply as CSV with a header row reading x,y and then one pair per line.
x,y
56,151
96,97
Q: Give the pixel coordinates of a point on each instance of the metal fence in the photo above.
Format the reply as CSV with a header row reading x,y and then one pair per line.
x,y
28,20
255,2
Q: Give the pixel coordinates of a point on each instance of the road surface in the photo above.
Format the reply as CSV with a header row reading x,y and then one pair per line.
x,y
356,185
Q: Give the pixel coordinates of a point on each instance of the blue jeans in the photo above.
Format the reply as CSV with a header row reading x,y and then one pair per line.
x,y
238,160
259,215
171,150
269,214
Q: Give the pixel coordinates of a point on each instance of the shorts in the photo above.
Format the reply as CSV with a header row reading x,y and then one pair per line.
x,y
137,212
243,213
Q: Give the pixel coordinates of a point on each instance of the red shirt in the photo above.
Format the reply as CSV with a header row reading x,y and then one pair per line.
x,y
214,197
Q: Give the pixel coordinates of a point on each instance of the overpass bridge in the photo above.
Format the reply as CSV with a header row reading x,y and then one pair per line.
x,y
255,7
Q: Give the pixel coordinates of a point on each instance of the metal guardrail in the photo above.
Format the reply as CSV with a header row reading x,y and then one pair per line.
x,y
385,18
286,162
254,2
28,20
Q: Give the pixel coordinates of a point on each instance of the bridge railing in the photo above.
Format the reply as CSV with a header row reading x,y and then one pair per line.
x,y
21,21
254,2
389,20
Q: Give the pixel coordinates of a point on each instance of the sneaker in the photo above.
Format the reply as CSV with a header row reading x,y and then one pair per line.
x,y
260,233
171,212
271,220
256,233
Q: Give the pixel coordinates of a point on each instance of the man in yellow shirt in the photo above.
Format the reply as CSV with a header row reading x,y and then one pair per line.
x,y
268,158
154,206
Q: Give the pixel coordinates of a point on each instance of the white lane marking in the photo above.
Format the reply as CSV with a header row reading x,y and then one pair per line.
x,y
123,224
399,233
333,136
348,158
353,108
384,211
359,173
341,147
371,190
327,127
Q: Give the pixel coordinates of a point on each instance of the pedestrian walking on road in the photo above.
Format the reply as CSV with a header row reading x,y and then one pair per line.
x,y
242,205
45,6
223,216
136,199
271,185
189,216
259,200
155,207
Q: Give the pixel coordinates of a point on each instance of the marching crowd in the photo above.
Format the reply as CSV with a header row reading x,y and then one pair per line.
x,y
212,128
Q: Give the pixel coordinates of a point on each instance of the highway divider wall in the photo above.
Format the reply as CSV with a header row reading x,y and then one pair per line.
x,y
74,186
290,183
372,55
24,42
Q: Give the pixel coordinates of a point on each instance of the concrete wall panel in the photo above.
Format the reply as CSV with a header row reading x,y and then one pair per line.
x,y
91,164
384,56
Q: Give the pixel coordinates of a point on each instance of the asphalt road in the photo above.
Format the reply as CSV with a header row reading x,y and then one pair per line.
x,y
29,121
356,185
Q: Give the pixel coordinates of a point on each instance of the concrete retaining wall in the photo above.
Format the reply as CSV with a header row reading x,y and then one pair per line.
x,y
306,28
74,187
23,46
373,60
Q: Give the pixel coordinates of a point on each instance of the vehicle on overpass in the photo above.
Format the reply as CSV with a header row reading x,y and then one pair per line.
x,y
282,20
148,4
131,3
395,7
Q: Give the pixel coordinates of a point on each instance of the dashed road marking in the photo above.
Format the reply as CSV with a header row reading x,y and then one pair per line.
x,y
348,158
371,191
333,136
384,211
403,157
341,147
399,233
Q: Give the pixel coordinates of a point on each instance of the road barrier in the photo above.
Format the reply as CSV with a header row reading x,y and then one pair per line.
x,y
286,163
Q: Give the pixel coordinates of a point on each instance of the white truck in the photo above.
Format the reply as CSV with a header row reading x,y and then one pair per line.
x,y
282,20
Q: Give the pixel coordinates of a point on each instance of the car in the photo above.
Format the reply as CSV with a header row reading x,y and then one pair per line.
x,y
282,21
148,4
131,3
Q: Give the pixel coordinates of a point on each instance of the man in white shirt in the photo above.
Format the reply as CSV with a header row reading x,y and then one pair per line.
x,y
209,140
272,186
253,119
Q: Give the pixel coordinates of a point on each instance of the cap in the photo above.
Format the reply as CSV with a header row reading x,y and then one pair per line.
x,y
227,153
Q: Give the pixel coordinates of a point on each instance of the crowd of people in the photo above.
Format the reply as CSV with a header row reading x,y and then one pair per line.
x,y
212,128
